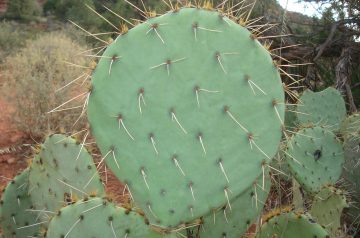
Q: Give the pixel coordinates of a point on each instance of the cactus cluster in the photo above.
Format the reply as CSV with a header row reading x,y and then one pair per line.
x,y
61,172
188,111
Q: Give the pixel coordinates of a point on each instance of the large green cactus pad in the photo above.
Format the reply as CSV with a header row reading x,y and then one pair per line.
x,y
292,225
325,108
17,215
234,222
97,217
315,157
191,105
61,173
327,208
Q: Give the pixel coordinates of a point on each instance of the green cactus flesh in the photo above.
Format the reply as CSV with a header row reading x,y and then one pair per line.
x,y
62,172
185,107
315,157
97,217
327,208
291,225
325,108
229,222
17,215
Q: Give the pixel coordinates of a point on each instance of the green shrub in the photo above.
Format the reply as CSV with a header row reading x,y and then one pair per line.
x,y
12,38
34,74
75,34
75,11
23,9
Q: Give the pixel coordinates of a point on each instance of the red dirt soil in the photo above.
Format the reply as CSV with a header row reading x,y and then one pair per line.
x,y
18,159
10,164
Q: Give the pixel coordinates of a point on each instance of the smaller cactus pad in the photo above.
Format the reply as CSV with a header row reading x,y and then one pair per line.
x,y
97,217
327,208
16,218
292,225
232,223
315,157
61,173
325,108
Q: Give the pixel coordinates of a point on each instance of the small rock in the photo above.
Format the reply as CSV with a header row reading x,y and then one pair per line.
x,y
11,160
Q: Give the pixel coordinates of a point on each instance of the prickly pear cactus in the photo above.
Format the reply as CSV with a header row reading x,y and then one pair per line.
x,y
315,157
290,224
327,208
234,219
97,217
351,175
325,108
184,107
350,127
17,215
61,173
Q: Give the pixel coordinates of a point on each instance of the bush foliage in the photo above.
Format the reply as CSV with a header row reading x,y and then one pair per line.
x,y
23,9
34,74
75,11
11,38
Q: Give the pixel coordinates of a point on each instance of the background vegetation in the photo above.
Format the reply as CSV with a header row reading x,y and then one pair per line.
x,y
33,77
